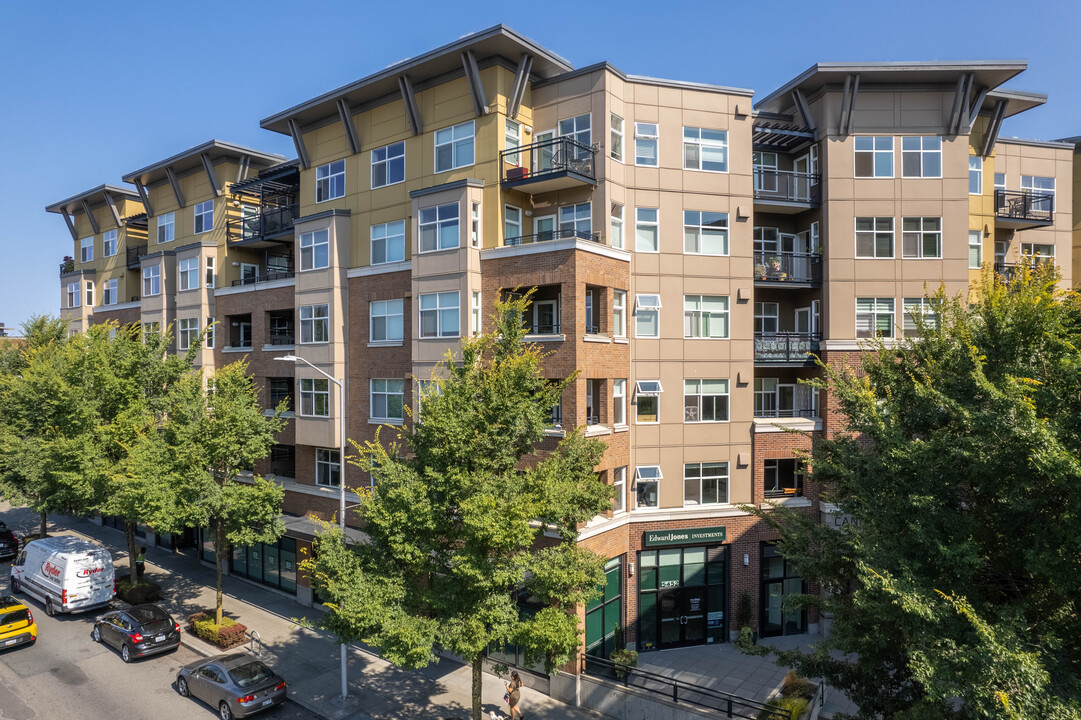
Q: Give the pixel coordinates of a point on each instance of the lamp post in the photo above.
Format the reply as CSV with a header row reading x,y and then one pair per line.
x,y
341,474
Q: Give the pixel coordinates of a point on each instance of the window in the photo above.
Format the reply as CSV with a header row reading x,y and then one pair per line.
x,y
874,317
315,250
454,147
874,157
1037,252
512,140
1000,181
578,129
646,230
975,175
705,401
210,332
975,249
86,249
439,314
705,149
645,144
330,181
188,270
646,485
619,484
109,292
921,157
512,222
619,313
576,220
388,166
89,293
151,281
108,243
474,232
705,483
921,237
1042,186
783,477
151,328
874,237
705,233
328,467
210,272
765,171
619,402
314,324
281,390
616,239
705,316
248,272
388,399
386,320
165,228
73,295
315,397
647,315
918,307
765,397
204,217
616,143
388,242
766,318
647,396
476,313
439,227
186,333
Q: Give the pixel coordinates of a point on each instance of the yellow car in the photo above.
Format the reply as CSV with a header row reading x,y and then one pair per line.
x,y
17,626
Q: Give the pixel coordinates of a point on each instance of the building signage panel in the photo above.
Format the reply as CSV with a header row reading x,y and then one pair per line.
x,y
689,536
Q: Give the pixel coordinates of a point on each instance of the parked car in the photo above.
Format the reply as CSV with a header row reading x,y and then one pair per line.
x,y
9,542
17,626
138,631
65,573
236,684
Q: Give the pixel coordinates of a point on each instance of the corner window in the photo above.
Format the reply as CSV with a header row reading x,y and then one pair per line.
x,y
388,166
921,157
705,233
210,272
387,399
330,181
705,316
874,157
874,237
165,228
619,313
619,402
705,483
474,228
439,315
647,315
188,273
619,484
151,281
921,237
108,243
86,249
109,292
315,250
210,332
204,217
705,401
647,401
89,293
187,332
647,485
439,228
512,140
975,175
646,230
705,149
615,149
874,317
315,397
454,147
975,249
476,313
645,144
616,239
328,467
386,318
388,242
314,324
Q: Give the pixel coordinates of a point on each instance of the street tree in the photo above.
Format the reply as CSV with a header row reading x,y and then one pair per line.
x,y
954,586
462,519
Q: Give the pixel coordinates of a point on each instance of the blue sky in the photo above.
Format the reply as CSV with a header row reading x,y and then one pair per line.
x,y
91,91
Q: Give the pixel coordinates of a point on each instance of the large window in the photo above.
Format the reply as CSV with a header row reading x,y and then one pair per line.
x,y
705,149
705,316
647,313
1036,185
915,308
388,165
780,579
619,402
388,242
387,320
315,397
187,332
439,315
646,138
86,249
616,144
647,401
273,564
315,250
705,483
921,157
647,486
767,319
619,313
705,401
454,147
705,233
204,217
73,295
874,317
975,249
646,230
151,281
108,243
388,399
921,237
188,273
439,227
603,619
578,129
314,324
330,181
108,289
975,175
166,228
328,467
576,220
874,237
874,157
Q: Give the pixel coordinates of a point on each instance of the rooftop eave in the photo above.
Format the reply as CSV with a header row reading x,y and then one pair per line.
x,y
1017,101
93,198
192,158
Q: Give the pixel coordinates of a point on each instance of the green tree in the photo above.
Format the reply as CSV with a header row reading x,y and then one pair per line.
x,y
954,589
457,522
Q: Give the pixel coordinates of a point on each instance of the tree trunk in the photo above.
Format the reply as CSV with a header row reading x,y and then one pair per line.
x,y
129,535
44,522
219,549
478,684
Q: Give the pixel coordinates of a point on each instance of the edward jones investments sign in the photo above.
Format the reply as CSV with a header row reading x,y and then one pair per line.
x,y
690,536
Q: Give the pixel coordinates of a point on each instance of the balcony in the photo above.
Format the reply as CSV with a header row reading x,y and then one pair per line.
x,y
67,265
785,191
786,348
133,254
278,274
549,165
1025,209
788,269
558,234
270,226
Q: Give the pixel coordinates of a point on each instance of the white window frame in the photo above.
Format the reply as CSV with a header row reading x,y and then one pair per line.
x,y
576,220
1028,185
478,319
647,475
512,222
616,239
695,318
438,219
578,128
86,249
875,151
619,313
75,295
699,387
392,237
330,181
880,307
312,389
204,217
109,242
90,293
387,310
975,243
924,152
615,129
310,244
314,324
187,272
880,227
700,224
975,172
440,311
619,402
166,227
474,229
922,306
210,333
647,389
721,471
619,485
646,223
187,330
644,305
151,280
646,136
694,137
328,466
926,231
383,157
383,389
512,140
455,137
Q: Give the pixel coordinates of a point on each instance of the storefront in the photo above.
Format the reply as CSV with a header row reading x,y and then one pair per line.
x,y
779,580
682,588
272,564
604,615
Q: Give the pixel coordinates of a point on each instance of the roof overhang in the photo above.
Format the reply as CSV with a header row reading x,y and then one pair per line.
x,y
193,158
498,41
1017,101
92,198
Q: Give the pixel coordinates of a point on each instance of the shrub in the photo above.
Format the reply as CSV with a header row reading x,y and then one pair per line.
x,y
794,706
229,634
795,686
141,592
624,660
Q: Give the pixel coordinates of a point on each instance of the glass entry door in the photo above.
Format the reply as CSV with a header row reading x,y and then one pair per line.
x,y
682,599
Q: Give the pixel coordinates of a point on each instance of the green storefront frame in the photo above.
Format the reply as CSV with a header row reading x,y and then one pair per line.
x,y
604,615
682,596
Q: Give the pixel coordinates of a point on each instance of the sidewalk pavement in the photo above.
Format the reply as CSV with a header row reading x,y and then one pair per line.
x,y
309,659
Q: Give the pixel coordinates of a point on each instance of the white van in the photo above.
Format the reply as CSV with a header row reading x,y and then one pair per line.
x,y
65,573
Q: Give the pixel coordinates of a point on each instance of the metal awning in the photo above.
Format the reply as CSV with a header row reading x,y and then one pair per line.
x,y
281,179
779,134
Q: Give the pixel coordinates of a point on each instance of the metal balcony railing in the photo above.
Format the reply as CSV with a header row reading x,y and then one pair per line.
x,y
265,277
786,413
1025,205
538,329
268,223
278,337
788,267
779,491
548,157
787,186
558,234
786,347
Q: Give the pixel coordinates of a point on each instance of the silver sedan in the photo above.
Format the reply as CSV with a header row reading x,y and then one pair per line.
x,y
236,684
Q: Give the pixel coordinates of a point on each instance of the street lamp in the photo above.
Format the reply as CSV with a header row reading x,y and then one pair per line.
x,y
341,472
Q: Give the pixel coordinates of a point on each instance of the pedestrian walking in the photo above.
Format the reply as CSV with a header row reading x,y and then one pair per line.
x,y
514,694
140,562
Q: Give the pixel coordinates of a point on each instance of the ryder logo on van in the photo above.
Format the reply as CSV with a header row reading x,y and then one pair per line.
x,y
89,572
51,570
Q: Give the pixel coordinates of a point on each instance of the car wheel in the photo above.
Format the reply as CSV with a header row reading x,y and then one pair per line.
x,y
95,634
15,586
182,686
224,712
125,654
49,609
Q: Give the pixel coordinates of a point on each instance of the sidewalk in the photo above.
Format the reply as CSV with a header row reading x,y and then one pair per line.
x,y
309,659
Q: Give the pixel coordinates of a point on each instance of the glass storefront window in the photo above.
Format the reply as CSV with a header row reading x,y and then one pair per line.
x,y
682,596
780,579
273,564
288,547
604,615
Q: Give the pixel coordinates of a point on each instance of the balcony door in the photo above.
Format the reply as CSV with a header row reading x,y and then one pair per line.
x,y
545,227
786,400
546,317
545,153
803,321
801,179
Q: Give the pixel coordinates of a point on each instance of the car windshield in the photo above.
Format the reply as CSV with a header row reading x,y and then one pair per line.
x,y
250,674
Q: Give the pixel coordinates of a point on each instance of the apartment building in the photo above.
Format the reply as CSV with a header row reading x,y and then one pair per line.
x,y
691,251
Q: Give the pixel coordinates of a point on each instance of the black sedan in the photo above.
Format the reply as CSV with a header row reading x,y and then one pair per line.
x,y
9,542
138,631
237,684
